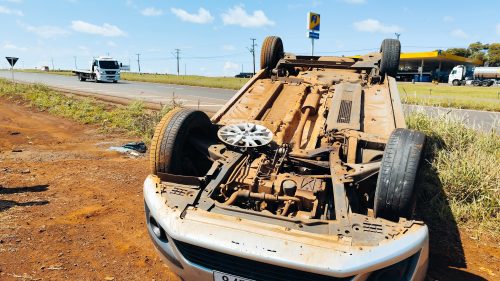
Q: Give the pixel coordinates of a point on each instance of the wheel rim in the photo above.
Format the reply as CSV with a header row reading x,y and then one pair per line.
x,y
245,135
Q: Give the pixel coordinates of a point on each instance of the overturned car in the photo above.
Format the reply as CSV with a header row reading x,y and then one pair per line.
x,y
307,173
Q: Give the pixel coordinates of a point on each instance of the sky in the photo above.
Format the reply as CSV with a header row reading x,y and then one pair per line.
x,y
214,36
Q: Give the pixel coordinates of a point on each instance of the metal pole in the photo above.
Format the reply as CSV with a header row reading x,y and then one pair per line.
x,y
139,63
252,50
12,71
312,46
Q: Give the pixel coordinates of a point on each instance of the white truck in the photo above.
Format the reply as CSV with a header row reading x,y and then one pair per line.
x,y
479,76
102,69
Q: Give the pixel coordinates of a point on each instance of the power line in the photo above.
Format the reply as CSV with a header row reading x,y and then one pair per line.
x,y
177,52
252,51
139,62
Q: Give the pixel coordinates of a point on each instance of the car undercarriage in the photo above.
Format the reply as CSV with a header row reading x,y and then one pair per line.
x,y
314,146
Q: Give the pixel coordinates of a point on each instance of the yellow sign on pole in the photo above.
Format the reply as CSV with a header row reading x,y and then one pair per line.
x,y
313,21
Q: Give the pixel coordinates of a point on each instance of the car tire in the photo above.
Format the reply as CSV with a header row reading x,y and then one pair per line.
x,y
395,190
271,52
82,79
456,83
170,151
389,63
476,83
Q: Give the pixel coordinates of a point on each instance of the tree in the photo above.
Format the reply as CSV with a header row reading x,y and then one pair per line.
x,y
477,47
458,52
494,54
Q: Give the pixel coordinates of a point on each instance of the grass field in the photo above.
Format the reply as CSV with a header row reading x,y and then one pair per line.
x,y
458,184
444,95
467,97
192,80
460,175
134,118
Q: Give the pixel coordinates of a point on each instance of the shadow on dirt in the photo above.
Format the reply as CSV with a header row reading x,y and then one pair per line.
x,y
446,251
7,204
13,190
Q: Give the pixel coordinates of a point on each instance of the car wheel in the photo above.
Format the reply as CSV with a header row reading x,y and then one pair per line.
x,y
271,52
395,190
171,150
389,63
456,83
476,83
485,83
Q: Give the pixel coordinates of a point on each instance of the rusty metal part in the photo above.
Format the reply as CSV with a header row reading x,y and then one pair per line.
x,y
259,196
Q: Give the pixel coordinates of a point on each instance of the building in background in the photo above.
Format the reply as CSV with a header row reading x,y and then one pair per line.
x,y
430,66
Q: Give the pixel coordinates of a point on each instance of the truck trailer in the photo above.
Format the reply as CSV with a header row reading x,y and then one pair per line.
x,y
102,69
479,76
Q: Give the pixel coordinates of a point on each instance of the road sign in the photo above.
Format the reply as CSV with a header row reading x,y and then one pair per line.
x,y
12,60
313,21
313,35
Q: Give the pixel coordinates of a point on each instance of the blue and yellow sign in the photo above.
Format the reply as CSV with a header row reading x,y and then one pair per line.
x,y
313,20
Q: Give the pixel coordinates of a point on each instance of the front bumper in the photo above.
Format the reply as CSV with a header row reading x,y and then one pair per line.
x,y
254,245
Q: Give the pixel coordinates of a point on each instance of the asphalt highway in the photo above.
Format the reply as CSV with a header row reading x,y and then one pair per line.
x,y
210,99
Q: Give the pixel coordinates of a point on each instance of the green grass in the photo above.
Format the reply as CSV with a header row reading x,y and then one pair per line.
x,y
444,95
133,119
460,176
58,72
466,97
191,80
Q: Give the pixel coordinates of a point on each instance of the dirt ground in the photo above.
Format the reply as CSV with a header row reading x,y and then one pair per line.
x,y
70,209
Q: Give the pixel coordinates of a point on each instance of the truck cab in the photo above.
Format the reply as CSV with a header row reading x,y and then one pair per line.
x,y
102,69
457,75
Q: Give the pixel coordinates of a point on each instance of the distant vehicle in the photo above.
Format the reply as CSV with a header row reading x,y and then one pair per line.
x,y
244,75
479,76
102,69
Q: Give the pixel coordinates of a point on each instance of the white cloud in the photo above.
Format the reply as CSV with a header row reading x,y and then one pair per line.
x,y
7,11
458,33
228,47
203,16
152,12
230,67
239,16
45,31
106,29
448,19
498,29
111,44
371,25
10,46
355,1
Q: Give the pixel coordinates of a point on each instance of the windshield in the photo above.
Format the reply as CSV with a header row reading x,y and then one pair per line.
x,y
108,64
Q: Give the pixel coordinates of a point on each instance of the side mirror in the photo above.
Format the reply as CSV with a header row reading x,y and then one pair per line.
x,y
121,65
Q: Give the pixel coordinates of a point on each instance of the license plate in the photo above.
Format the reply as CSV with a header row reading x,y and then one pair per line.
x,y
220,276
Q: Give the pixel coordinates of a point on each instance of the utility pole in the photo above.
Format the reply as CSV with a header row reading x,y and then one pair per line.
x,y
177,52
74,57
252,51
139,62
397,35
52,59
